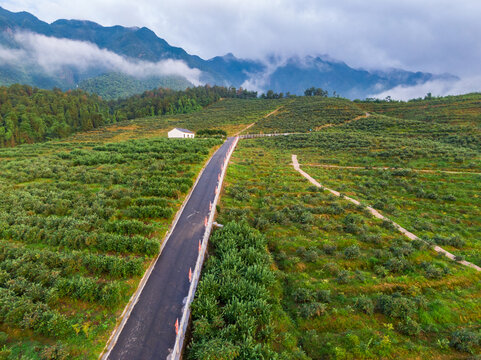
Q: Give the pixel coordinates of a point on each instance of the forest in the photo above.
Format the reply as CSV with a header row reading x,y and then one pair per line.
x,y
29,115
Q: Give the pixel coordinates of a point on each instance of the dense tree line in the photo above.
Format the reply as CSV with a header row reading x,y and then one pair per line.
x,y
29,115
168,102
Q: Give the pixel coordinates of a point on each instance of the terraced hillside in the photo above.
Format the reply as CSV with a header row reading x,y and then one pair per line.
x,y
452,119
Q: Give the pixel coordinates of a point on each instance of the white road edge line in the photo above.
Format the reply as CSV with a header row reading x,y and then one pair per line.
x,y
135,296
378,215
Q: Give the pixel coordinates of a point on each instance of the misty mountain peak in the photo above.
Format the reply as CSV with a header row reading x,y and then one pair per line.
x,y
282,74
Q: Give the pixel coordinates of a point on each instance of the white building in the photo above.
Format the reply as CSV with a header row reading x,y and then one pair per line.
x,y
180,133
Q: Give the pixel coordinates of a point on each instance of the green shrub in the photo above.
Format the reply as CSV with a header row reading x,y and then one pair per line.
x,y
365,305
409,327
396,306
312,309
352,252
3,338
465,340
55,352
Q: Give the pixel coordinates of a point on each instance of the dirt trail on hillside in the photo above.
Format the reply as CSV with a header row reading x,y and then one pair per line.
x,y
431,171
264,117
378,215
273,112
366,115
244,129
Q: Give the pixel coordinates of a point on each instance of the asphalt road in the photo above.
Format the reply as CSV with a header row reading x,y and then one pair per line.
x,y
149,332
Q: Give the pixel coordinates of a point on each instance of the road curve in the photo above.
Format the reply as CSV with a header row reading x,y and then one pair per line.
x,y
149,332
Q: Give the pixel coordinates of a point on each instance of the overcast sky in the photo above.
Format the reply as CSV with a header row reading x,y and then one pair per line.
x,y
439,36
426,35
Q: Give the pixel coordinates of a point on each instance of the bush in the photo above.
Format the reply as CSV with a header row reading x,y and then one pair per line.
x,y
342,277
313,309
232,303
397,265
352,252
365,305
55,352
3,338
454,241
464,340
396,306
329,249
323,296
409,327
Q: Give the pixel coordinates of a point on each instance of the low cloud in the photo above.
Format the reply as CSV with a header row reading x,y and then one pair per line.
x,y
259,81
53,54
435,87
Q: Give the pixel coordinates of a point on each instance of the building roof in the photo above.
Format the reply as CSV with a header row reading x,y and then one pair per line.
x,y
183,130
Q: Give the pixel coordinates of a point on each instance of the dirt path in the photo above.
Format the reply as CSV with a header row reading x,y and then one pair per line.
x,y
273,112
264,117
244,129
378,215
329,166
366,115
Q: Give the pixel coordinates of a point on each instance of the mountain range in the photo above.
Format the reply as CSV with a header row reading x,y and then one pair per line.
x,y
118,61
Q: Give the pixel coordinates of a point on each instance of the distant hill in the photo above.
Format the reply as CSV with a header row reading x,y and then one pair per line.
x,y
136,45
117,86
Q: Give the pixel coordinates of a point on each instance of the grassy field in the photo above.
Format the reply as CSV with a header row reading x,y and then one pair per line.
x,y
79,224
350,286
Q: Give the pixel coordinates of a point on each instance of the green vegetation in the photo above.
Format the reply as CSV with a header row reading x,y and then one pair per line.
x,y
296,273
79,223
165,101
350,285
441,208
211,133
309,113
114,86
453,119
29,115
233,310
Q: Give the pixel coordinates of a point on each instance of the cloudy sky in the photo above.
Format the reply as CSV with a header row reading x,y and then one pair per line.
x,y
439,36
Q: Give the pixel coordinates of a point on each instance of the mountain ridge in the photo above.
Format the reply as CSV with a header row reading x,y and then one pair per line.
x,y
292,75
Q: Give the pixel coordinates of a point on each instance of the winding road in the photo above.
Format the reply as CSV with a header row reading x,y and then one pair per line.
x,y
148,332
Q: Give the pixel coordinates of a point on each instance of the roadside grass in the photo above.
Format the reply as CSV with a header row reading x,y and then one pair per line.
x,y
349,285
